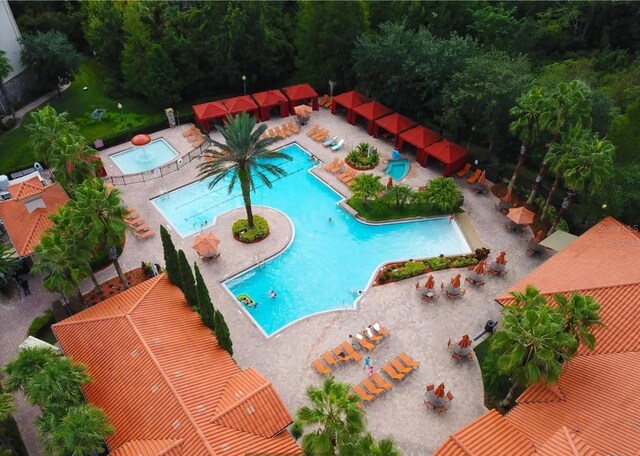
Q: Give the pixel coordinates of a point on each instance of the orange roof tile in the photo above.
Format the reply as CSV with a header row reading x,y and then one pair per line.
x,y
566,442
25,228
159,374
150,448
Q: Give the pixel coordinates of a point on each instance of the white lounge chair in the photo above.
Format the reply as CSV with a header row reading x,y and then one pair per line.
x,y
338,146
330,141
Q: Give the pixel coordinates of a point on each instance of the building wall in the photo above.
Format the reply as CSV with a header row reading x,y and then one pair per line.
x,y
9,35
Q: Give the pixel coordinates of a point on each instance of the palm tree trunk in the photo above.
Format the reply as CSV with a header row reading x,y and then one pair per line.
x,y
512,182
79,296
510,398
551,193
565,205
96,284
536,184
246,195
123,279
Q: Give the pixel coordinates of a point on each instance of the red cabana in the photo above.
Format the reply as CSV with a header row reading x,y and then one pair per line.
x,y
269,99
371,111
348,100
205,112
419,137
301,94
450,154
244,103
394,124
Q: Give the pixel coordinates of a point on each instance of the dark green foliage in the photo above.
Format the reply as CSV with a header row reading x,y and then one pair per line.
x,y
221,332
205,307
186,280
438,263
363,157
625,134
463,262
170,257
40,322
242,232
443,194
410,269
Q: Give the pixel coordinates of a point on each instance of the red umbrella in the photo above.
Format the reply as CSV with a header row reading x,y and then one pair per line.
x,y
206,244
140,140
501,259
431,283
483,178
439,390
538,238
417,285
507,196
521,215
455,282
480,267
390,184
465,341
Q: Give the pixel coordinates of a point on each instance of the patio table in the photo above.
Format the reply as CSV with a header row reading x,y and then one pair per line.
x,y
462,351
497,268
434,400
453,290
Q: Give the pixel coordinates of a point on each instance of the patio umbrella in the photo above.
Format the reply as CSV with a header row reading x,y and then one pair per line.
x,y
455,282
507,197
480,268
303,110
501,259
390,184
439,392
538,238
465,341
206,245
430,283
483,178
521,215
417,285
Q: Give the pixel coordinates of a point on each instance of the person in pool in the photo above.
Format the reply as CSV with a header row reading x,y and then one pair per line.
x,y
272,294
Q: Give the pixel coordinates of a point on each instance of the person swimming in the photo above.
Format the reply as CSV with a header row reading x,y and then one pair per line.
x,y
272,294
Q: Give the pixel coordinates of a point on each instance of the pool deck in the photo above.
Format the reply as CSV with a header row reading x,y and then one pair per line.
x,y
420,329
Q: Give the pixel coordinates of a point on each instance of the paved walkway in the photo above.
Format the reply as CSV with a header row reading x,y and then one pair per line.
x,y
20,113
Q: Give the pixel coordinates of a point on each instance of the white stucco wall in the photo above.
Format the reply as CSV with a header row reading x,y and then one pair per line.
x,y
9,35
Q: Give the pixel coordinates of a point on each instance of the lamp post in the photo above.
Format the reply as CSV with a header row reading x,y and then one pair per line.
x,y
121,112
244,83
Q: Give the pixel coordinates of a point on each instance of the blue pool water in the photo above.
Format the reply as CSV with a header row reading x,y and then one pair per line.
x,y
143,158
328,261
398,169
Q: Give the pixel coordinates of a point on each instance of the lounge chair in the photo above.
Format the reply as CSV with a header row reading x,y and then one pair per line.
x,y
350,181
364,343
465,170
135,222
340,354
330,141
330,359
409,361
321,368
397,365
141,229
323,100
372,336
314,130
338,146
337,167
144,235
327,104
381,382
293,127
199,142
321,135
351,352
332,164
347,175
286,130
373,389
391,372
381,329
359,390
280,133
189,131
134,215
476,175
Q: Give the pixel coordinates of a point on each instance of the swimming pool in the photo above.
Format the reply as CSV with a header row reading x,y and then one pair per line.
x,y
143,158
327,261
398,169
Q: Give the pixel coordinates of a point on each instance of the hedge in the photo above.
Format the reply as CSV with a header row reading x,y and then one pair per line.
x,y
241,231
410,269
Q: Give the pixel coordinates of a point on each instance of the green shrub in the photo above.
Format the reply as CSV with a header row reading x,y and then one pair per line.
x,y
562,225
439,263
482,253
363,157
241,231
464,262
40,322
410,269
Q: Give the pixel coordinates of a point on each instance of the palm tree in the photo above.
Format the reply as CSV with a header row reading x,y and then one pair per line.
x,y
8,259
443,194
526,126
98,213
581,314
242,156
25,365
7,405
532,344
367,187
367,446
400,194
73,160
46,129
82,431
5,70
334,416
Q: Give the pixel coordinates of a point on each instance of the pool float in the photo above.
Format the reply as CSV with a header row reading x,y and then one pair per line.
x,y
246,300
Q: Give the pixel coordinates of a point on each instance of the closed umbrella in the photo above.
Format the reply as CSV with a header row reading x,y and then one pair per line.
x,y
439,392
206,245
521,215
465,341
480,268
501,258
390,184
483,178
431,283
507,196
455,282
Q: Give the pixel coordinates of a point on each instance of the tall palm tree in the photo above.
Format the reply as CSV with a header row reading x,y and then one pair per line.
x,y
25,365
242,156
443,194
527,124
367,446
73,160
367,186
532,344
334,416
46,129
98,213
82,431
8,259
581,314
5,70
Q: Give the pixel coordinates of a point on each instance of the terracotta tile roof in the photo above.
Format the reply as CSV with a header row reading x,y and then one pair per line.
x,y
159,374
566,442
25,228
150,448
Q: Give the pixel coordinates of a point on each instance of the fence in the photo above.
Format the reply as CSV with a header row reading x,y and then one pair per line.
x,y
156,173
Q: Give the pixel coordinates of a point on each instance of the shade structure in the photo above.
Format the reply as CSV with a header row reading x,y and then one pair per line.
x,y
238,105
348,100
269,99
430,283
206,245
455,282
452,155
140,140
558,240
521,215
465,341
371,111
501,258
480,268
419,137
439,391
393,123
390,183
206,112
299,94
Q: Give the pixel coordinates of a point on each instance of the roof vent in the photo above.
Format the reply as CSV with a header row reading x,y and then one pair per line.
x,y
225,447
201,408
134,353
4,183
155,388
176,424
36,203
250,409
239,393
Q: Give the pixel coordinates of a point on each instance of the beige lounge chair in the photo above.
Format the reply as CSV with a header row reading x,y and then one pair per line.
x,y
321,368
279,132
337,167
293,127
189,131
359,390
381,329
364,343
314,130
348,175
285,129
335,161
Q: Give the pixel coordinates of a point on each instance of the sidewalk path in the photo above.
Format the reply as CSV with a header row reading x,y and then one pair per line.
x,y
20,113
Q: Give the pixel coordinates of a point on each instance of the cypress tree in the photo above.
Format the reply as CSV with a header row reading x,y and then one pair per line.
x,y
186,278
205,307
170,257
222,333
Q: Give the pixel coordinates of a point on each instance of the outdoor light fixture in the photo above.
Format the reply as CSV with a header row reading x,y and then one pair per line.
x,y
120,108
244,83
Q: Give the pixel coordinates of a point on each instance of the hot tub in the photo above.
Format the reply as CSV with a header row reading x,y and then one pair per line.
x,y
398,169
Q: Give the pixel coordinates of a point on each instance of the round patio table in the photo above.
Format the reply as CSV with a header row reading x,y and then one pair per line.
x,y
436,401
458,350
453,290
497,267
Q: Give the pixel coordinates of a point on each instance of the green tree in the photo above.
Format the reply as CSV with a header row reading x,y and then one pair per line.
x,y
29,361
625,134
102,27
497,26
8,259
241,156
98,213
443,194
399,194
367,446
52,57
221,331
170,257
205,306
46,131
334,416
81,431
532,344
581,314
186,280
5,70
367,186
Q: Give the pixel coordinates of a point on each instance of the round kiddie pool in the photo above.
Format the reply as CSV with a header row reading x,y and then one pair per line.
x,y
143,158
398,169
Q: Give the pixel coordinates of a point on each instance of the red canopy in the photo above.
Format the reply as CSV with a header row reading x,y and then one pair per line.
x,y
450,154
348,100
371,111
207,111
300,94
419,137
244,103
394,124
268,99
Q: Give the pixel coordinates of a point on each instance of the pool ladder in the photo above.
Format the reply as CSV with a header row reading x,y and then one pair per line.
x,y
257,259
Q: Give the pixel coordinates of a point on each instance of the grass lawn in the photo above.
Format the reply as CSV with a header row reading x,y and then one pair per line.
x,y
15,152
390,212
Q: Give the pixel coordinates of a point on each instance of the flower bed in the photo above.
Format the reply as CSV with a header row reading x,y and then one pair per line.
x,y
113,286
363,157
242,233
